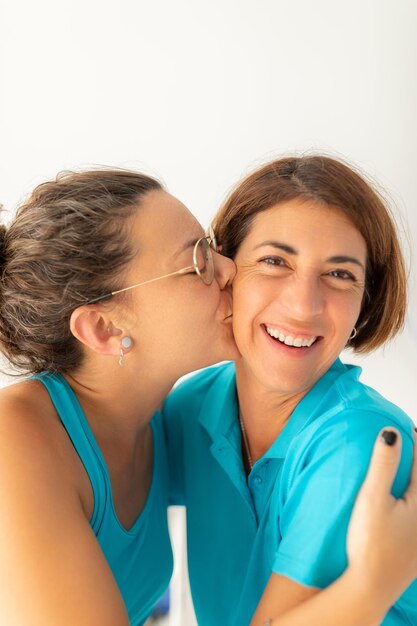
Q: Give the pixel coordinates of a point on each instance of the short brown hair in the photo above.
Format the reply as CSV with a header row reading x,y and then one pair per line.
x,y
68,243
332,183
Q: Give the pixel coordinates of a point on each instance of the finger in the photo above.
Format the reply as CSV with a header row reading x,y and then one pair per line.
x,y
384,462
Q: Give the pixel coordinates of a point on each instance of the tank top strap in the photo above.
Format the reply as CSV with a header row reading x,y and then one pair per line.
x,y
82,438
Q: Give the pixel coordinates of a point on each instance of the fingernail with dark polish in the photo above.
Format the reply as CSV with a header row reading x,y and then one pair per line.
x,y
415,428
389,437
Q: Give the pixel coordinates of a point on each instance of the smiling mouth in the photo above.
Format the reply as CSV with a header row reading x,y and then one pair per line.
x,y
295,341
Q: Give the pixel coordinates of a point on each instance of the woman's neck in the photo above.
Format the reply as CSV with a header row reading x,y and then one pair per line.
x,y
118,402
264,412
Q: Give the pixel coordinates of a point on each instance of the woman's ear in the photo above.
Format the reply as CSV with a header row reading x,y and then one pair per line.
x,y
90,327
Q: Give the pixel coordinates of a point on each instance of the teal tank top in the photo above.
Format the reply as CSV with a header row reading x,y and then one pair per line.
x,y
140,558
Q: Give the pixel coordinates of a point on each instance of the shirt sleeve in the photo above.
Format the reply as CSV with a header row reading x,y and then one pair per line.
x,y
321,477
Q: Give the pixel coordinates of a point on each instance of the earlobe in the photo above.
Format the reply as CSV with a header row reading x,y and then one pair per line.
x,y
89,326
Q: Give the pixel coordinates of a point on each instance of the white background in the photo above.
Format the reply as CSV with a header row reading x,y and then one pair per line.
x,y
199,92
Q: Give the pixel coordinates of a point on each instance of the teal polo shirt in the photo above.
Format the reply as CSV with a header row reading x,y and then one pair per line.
x,y
291,515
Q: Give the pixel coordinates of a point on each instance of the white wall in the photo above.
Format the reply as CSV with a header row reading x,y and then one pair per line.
x,y
200,91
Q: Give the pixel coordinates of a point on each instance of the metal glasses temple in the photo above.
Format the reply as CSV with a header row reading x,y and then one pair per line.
x,y
211,240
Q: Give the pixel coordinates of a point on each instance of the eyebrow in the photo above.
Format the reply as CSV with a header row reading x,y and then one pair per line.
x,y
290,250
346,259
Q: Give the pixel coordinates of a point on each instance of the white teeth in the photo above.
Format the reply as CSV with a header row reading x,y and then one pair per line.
x,y
289,340
274,333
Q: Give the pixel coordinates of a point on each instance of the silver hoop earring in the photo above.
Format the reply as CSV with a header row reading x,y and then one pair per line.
x,y
125,343
353,334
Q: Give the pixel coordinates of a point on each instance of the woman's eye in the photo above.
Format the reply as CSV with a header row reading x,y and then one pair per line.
x,y
273,260
342,274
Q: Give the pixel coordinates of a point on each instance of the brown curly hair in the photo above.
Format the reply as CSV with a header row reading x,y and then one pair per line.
x,y
68,243
330,182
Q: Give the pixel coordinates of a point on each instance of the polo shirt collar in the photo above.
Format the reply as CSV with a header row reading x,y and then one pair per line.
x,y
219,409
306,410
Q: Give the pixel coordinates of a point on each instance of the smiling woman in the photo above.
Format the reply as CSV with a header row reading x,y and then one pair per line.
x,y
270,471
305,287
324,183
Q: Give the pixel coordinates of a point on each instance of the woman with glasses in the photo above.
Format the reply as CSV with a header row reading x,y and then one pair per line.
x,y
109,293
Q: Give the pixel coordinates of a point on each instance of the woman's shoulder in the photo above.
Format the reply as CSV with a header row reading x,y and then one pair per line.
x,y
362,403
336,439
346,416
33,442
341,398
25,406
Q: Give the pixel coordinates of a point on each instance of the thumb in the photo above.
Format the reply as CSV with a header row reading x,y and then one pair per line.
x,y
384,462
411,492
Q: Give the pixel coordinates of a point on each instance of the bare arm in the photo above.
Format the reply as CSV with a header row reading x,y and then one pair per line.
x,y
382,551
52,570
344,603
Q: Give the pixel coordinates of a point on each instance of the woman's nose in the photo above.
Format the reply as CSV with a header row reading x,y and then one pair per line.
x,y
303,298
224,270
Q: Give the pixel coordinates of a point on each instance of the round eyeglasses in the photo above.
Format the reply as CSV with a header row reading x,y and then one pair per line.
x,y
203,266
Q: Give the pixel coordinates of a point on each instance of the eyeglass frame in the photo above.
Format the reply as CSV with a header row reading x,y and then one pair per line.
x,y
190,269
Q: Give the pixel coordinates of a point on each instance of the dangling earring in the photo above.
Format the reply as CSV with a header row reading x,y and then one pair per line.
x,y
353,334
124,344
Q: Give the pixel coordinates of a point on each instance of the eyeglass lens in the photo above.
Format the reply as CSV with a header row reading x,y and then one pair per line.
x,y
204,261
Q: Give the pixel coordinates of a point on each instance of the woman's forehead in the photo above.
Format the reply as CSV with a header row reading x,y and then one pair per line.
x,y
163,218
304,222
